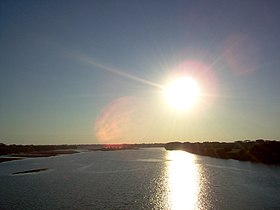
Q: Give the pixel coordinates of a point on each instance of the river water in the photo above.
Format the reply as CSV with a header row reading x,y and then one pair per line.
x,y
138,179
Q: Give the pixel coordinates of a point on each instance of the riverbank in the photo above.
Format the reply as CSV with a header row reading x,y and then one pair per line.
x,y
18,152
260,151
5,159
45,153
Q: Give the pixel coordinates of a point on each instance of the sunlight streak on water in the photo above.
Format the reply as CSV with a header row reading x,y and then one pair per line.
x,y
183,180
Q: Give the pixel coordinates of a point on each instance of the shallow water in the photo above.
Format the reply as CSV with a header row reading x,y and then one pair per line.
x,y
138,179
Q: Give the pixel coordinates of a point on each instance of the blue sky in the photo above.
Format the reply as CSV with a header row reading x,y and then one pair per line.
x,y
91,71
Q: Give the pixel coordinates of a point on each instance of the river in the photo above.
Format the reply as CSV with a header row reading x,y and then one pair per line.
x,y
138,179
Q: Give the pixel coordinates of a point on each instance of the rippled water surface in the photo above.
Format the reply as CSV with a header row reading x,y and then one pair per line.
x,y
138,179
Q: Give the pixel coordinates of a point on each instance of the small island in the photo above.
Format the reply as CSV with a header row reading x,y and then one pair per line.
x,y
260,151
30,171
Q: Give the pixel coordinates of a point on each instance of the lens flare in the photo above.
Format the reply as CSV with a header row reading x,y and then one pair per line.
x,y
121,121
241,54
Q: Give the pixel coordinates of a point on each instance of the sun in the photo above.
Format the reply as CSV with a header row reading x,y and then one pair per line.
x,y
182,93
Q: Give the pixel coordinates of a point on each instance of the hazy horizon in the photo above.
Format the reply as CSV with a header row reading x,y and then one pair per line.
x,y
94,72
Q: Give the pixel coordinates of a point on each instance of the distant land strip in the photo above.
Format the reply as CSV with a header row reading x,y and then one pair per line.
x,y
18,152
260,151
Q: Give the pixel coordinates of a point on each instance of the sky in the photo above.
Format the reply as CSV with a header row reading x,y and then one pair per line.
x,y
82,72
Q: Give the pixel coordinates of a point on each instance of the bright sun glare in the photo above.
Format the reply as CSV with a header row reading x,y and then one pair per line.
x,y
182,93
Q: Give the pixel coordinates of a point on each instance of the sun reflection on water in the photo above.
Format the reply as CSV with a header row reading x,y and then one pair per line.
x,y
183,178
